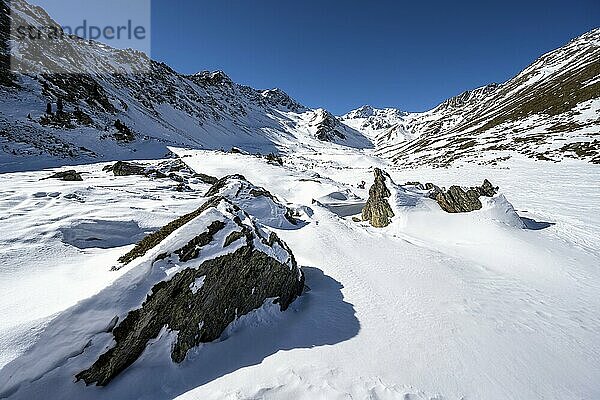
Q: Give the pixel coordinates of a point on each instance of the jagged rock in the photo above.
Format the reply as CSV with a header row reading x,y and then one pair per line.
x,y
459,200
123,168
274,159
487,189
327,126
69,176
377,210
182,187
124,133
211,180
243,266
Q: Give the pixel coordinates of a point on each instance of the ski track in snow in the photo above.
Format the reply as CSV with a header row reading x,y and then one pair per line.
x,y
485,311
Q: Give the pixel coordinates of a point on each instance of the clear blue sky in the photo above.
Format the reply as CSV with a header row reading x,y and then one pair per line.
x,y
343,54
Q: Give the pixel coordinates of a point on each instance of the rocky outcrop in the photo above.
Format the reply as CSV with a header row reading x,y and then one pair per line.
x,y
69,176
327,126
377,210
124,168
225,266
459,200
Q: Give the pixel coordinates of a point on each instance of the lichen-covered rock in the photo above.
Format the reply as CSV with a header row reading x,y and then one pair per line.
x,y
377,210
69,176
459,200
222,264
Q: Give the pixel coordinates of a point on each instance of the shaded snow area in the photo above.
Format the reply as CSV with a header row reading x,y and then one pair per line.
x,y
499,303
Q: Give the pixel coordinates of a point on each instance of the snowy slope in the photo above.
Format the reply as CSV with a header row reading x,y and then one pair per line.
x,y
436,306
160,106
549,111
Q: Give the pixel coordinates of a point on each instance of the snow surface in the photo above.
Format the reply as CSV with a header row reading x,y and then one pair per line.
x,y
435,306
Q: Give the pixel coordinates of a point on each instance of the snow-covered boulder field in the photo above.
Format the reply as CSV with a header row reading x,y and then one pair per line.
x,y
187,283
496,303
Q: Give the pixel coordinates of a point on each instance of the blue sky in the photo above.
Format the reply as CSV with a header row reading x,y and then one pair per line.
x,y
342,54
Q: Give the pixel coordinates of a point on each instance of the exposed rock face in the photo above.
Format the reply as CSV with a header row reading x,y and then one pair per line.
x,y
459,200
328,128
377,210
234,267
69,176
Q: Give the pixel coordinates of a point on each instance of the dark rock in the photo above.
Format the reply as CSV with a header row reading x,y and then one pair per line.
x,y
182,187
220,184
487,189
211,180
328,127
459,200
231,285
123,168
274,159
124,133
377,210
154,239
69,176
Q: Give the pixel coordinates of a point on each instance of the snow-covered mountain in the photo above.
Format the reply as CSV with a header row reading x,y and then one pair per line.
x,y
321,272
155,106
550,111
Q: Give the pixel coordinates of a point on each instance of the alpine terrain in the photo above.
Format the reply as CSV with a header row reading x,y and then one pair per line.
x,y
173,236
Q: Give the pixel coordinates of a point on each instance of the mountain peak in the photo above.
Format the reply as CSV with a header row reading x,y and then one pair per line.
x,y
214,77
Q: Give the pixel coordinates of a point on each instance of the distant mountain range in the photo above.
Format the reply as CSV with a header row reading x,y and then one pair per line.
x,y
550,111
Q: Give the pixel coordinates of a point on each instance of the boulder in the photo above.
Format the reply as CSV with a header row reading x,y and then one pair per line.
x,y
460,200
69,176
124,168
222,264
377,210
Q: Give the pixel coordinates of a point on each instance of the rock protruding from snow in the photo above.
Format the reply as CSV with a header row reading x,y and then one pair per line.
x,y
240,265
213,78
255,200
377,210
124,168
68,176
459,200
279,98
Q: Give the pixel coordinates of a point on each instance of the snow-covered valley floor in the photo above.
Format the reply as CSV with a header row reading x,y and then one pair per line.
x,y
436,306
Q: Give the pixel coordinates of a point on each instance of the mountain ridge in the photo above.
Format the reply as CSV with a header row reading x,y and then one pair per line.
x,y
148,107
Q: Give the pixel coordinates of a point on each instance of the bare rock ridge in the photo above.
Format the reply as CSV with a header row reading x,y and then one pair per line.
x,y
377,210
227,265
